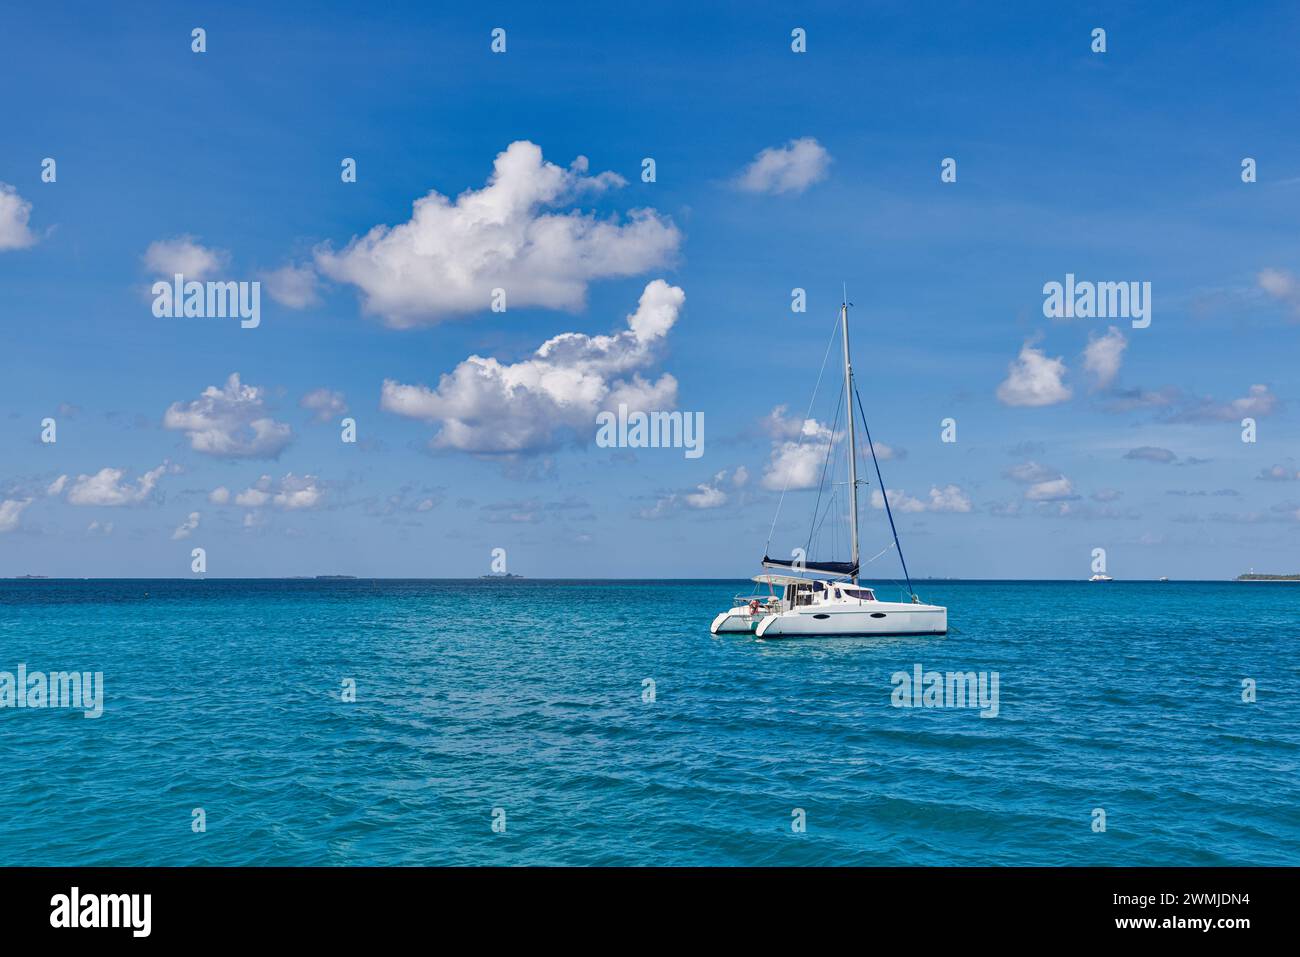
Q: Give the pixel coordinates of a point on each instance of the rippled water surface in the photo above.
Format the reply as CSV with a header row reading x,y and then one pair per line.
x,y
528,696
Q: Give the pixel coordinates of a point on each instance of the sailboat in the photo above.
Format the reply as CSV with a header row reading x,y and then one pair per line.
x,y
831,601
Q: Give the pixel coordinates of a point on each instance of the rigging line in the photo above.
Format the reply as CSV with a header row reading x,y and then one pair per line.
x,y
772,531
892,581
884,493
817,532
878,554
900,587
821,483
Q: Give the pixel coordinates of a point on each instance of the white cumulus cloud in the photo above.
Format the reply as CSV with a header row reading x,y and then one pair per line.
x,y
1278,283
14,214
294,287
450,255
706,495
1030,472
11,509
1257,403
230,422
186,527
106,487
291,493
1042,484
791,168
899,501
487,406
325,403
1282,286
1034,380
950,498
798,452
1102,356
184,255
1052,490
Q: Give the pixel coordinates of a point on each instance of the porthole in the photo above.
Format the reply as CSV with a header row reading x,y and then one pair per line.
x,y
877,614
819,617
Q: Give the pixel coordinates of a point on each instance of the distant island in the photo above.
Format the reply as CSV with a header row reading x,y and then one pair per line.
x,y
24,577
500,576
329,578
1252,577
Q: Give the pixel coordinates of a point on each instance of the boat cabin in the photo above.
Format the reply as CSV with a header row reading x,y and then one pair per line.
x,y
847,591
825,593
796,592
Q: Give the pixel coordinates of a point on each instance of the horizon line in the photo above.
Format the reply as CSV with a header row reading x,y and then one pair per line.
x,y
516,578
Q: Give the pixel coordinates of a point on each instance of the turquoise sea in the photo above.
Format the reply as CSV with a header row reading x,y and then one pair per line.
x,y
530,697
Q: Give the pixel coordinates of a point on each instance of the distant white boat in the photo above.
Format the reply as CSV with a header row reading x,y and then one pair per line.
x,y
831,605
1101,578
1163,578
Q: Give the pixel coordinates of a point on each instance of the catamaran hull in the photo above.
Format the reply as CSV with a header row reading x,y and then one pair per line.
x,y
884,619
729,623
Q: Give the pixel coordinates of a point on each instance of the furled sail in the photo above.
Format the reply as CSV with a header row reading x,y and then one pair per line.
x,y
836,569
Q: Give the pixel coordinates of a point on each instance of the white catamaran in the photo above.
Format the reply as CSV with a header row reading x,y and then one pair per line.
x,y
834,604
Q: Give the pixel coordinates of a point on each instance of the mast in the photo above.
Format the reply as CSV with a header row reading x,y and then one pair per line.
x,y
853,446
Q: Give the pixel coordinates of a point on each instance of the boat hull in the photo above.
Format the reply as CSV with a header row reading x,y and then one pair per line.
x,y
735,623
877,619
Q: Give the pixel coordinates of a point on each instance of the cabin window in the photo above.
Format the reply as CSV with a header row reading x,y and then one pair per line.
x,y
800,594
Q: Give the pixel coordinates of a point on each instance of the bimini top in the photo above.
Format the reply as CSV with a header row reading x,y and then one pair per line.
x,y
781,580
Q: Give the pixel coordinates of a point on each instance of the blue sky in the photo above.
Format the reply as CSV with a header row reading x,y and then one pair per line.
x,y
1115,166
